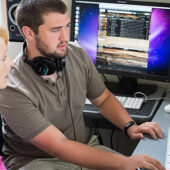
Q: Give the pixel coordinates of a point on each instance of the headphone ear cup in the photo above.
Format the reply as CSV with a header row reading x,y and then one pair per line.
x,y
60,64
43,66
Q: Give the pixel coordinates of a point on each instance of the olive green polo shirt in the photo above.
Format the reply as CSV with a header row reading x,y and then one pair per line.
x,y
30,104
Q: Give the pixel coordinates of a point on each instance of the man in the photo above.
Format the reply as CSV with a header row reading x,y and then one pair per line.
x,y
43,122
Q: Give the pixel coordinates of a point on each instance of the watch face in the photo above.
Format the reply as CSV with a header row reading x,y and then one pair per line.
x,y
128,125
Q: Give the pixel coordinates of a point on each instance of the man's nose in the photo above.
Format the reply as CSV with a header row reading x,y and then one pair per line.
x,y
64,34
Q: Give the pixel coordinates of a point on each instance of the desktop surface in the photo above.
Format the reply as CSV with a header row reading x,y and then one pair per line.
x,y
157,148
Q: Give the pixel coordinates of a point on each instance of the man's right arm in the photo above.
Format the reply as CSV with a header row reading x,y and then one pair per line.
x,y
52,141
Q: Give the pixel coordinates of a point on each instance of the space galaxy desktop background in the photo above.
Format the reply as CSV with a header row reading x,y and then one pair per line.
x,y
88,26
159,42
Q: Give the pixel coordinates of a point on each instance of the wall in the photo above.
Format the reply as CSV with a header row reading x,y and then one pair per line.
x,y
1,14
14,47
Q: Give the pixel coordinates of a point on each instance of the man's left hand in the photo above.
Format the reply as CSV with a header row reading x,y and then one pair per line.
x,y
137,131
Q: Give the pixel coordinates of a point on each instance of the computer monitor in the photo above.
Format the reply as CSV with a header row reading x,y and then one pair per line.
x,y
130,39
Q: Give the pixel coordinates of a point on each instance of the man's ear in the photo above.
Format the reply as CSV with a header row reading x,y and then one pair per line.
x,y
28,33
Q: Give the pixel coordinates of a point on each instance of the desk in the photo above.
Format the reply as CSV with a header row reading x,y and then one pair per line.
x,y
157,148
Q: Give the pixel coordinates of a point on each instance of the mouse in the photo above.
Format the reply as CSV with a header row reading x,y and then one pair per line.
x,y
167,108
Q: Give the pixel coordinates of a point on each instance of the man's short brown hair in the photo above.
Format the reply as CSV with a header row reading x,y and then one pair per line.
x,y
30,12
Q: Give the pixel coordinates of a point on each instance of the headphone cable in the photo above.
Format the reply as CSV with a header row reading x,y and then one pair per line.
x,y
69,102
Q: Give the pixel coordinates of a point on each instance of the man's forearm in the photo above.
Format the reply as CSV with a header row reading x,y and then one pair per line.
x,y
113,111
89,157
52,141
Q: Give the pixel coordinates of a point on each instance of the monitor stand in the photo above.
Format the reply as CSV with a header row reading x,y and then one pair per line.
x,y
128,86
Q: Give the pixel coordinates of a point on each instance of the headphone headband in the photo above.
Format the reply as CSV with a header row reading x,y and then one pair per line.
x,y
46,66
43,65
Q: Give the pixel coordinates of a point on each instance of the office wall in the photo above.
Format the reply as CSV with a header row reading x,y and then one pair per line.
x,y
0,14
14,47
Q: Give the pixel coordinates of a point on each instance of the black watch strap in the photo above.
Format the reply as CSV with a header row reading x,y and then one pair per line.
x,y
128,125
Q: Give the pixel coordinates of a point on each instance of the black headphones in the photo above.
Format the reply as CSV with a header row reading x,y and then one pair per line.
x,y
46,66
43,65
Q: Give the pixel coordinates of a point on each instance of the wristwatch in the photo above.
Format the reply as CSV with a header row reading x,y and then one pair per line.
x,y
128,125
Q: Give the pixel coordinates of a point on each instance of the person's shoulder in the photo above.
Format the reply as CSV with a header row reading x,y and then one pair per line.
x,y
20,75
16,70
17,61
74,45
75,48
77,53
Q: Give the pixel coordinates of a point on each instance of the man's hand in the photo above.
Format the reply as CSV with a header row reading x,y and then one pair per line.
x,y
152,128
141,161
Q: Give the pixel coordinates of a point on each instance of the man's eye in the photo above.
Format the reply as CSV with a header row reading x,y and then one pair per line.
x,y
55,30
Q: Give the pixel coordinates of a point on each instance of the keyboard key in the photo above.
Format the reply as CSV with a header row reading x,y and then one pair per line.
x,y
131,102
139,103
88,101
126,105
135,103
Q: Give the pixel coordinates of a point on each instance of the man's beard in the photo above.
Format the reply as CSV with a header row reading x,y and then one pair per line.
x,y
44,50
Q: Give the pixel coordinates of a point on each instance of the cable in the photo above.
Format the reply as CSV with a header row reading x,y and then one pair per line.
x,y
119,78
147,99
105,78
90,133
97,126
98,133
69,101
111,139
167,91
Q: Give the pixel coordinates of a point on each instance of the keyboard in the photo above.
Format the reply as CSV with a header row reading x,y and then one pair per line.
x,y
145,113
130,102
127,102
167,163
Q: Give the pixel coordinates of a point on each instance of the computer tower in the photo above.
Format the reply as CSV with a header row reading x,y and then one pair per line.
x,y
14,32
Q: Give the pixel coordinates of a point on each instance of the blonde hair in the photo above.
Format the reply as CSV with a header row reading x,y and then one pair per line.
x,y
4,34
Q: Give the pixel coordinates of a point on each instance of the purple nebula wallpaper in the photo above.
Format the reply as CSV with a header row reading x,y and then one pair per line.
x,y
88,29
159,42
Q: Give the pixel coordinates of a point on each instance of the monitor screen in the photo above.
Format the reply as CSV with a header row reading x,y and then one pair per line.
x,y
129,39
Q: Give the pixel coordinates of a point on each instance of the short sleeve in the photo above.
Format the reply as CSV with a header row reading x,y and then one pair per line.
x,y
21,115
